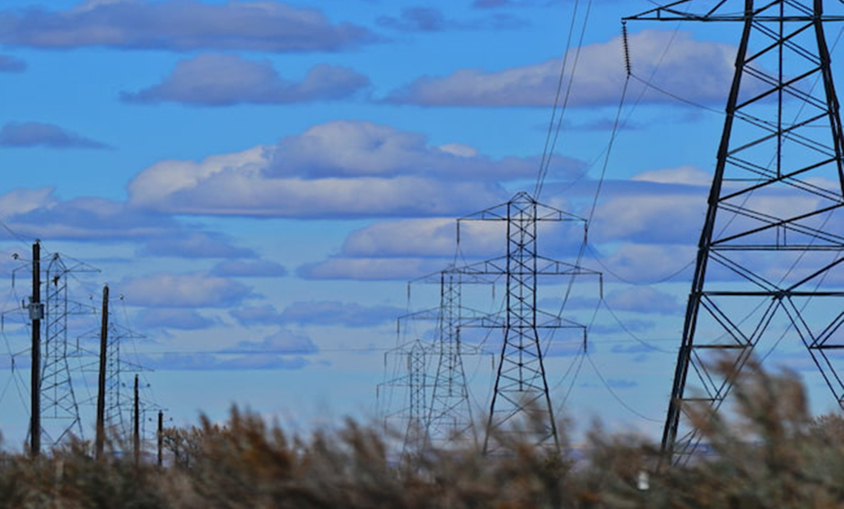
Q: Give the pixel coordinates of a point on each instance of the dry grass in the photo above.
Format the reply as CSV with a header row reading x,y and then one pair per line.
x,y
772,455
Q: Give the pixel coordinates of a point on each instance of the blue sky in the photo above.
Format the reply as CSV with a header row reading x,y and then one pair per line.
x,y
258,180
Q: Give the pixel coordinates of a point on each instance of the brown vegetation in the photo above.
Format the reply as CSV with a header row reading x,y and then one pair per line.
x,y
772,455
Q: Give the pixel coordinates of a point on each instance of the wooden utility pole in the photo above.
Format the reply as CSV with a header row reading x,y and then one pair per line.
x,y
160,436
137,432
36,313
101,387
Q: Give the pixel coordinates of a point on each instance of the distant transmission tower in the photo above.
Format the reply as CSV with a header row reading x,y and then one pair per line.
x,y
450,414
521,386
413,362
769,264
59,406
118,373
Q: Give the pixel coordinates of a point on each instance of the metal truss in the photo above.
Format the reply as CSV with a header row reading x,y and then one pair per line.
x,y
413,358
59,404
521,387
769,258
119,404
448,412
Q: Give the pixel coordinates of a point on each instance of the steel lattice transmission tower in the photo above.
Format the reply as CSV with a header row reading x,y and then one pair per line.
x,y
450,414
521,385
415,379
118,373
59,405
769,263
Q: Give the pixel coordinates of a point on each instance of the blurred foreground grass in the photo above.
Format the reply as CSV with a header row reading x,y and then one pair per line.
x,y
771,454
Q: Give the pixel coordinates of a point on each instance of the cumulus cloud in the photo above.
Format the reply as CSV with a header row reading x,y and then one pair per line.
x,y
340,169
180,25
647,263
430,19
39,213
355,148
180,319
183,290
696,70
409,237
645,300
281,350
371,269
248,268
224,80
436,237
213,362
11,64
346,314
195,245
283,342
38,134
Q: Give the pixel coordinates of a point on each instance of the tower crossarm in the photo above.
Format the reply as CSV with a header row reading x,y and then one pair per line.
x,y
674,12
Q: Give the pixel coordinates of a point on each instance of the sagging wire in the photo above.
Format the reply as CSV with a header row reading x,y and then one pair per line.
x,y
548,152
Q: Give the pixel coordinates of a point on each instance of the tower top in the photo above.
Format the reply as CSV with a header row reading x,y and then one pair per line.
x,y
729,10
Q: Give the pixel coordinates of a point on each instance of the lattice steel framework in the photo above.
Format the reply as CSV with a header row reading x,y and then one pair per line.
x,y
450,415
769,263
521,385
59,405
118,402
415,379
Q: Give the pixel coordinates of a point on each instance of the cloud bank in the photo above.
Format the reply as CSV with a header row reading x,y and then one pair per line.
x,y
225,80
700,71
39,134
341,169
180,25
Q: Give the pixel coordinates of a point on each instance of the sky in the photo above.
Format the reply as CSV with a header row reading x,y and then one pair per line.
x,y
258,181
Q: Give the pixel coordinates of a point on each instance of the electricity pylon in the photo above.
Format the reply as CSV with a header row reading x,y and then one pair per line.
x,y
59,404
449,415
521,385
118,372
769,262
413,363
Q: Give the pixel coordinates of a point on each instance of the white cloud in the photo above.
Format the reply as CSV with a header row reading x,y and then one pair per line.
x,y
435,237
645,263
180,25
372,269
38,213
339,169
347,314
183,290
429,19
645,300
222,80
195,245
696,70
174,361
21,201
282,342
356,148
686,175
40,134
180,319
248,268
